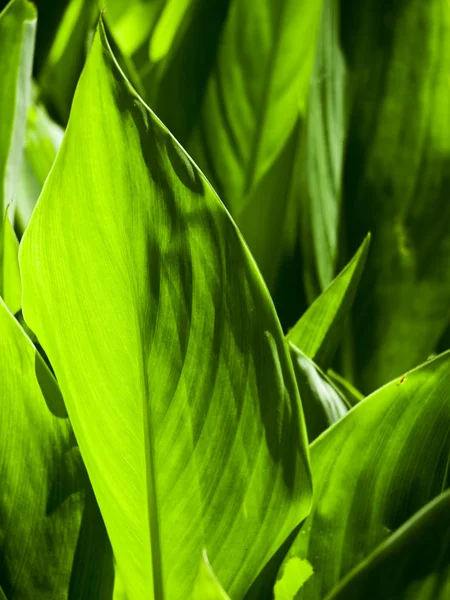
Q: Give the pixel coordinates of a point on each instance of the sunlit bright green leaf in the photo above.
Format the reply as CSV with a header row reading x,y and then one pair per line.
x,y
17,35
293,575
397,180
373,470
256,92
322,403
167,348
319,330
412,564
52,539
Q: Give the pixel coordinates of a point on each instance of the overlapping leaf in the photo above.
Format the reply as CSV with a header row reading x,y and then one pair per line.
x,y
167,348
412,564
322,404
373,470
319,330
397,177
52,539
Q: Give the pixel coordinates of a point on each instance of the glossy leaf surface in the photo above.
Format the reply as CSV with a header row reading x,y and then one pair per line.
x,y
52,539
167,348
412,564
373,470
319,330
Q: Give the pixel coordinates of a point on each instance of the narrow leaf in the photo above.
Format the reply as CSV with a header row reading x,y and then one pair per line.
x,y
412,564
166,346
319,330
322,403
321,157
373,470
17,36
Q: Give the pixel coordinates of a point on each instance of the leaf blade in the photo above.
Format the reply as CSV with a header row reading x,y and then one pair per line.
x,y
149,289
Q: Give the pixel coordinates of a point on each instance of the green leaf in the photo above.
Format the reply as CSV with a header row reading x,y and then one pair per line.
x,y
43,139
413,563
396,180
256,92
17,36
60,72
293,575
321,157
207,587
350,393
52,540
11,287
167,348
322,403
373,470
319,330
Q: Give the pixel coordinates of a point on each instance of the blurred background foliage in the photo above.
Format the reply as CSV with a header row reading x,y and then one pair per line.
x,y
317,121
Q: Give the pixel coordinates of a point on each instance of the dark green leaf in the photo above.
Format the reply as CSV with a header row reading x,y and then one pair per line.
x,y
397,180
412,564
373,470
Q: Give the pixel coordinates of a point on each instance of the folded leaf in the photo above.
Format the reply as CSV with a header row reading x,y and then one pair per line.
x,y
256,92
17,36
319,330
373,470
167,348
412,564
397,179
52,540
322,404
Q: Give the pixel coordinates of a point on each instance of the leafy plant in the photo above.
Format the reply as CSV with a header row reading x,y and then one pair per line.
x,y
180,372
